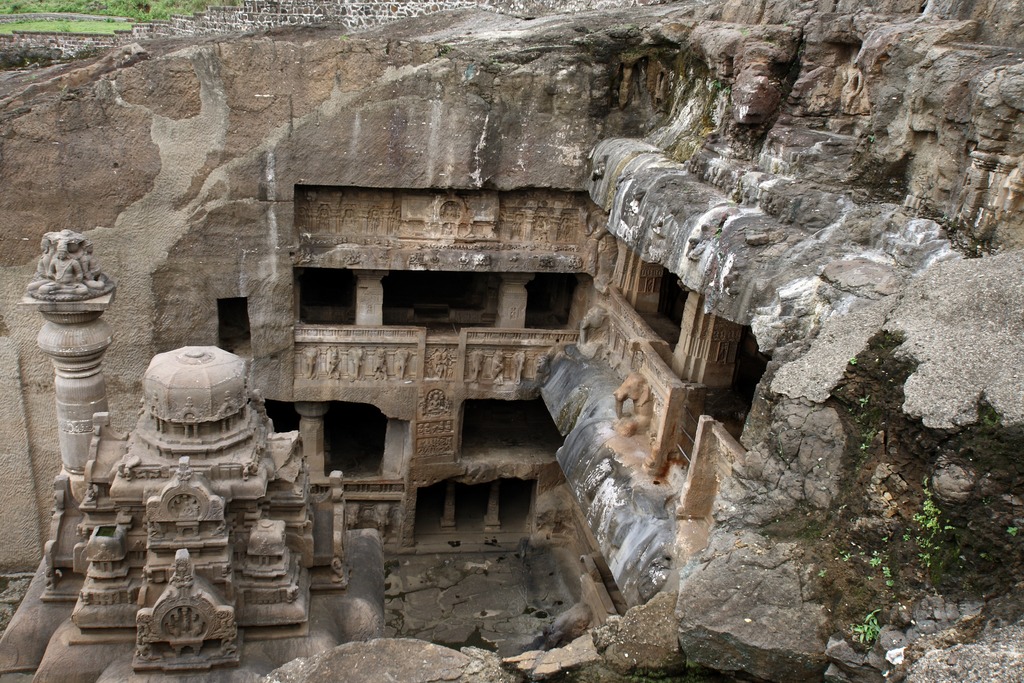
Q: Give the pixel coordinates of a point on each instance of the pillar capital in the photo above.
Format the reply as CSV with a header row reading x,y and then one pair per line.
x,y
310,409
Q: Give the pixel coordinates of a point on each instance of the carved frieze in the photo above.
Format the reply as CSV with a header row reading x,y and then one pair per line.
x,y
472,221
357,354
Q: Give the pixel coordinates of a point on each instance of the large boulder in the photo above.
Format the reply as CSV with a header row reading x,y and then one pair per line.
x,y
749,605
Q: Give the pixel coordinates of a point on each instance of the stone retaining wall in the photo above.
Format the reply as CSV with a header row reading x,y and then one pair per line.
x,y
48,16
61,45
254,15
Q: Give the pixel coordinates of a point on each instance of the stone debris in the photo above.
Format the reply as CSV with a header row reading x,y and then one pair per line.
x,y
541,665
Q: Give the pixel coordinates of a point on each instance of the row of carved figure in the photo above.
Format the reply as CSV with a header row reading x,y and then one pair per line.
x,y
356,363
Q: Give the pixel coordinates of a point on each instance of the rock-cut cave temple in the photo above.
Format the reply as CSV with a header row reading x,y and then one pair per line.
x,y
714,304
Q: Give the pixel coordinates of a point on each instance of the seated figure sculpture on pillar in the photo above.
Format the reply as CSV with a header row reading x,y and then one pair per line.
x,y
67,270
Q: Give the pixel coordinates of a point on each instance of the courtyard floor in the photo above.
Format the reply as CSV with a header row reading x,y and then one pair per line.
x,y
500,600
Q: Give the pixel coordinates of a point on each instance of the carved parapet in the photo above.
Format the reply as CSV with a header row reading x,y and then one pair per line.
x,y
677,406
611,327
498,358
358,354
375,489
503,359
619,336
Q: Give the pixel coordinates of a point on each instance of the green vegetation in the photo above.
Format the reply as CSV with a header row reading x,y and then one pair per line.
x,y
932,532
67,26
866,632
136,9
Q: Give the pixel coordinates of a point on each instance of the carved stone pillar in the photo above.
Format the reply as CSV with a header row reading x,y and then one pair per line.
x,y
71,293
512,299
492,519
706,352
369,297
311,429
448,516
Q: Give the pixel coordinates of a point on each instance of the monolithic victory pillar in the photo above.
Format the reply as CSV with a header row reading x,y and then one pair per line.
x,y
71,293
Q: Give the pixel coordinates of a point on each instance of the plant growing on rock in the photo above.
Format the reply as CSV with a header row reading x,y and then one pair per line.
x,y
866,632
931,536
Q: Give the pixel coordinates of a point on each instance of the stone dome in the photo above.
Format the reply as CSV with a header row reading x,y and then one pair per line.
x,y
195,384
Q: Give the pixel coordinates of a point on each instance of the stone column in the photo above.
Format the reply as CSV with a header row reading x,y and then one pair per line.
x,y
706,352
369,297
448,516
311,429
72,294
492,519
75,341
512,299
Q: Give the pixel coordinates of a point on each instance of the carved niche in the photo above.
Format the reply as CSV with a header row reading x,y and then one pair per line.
x,y
435,430
185,507
190,627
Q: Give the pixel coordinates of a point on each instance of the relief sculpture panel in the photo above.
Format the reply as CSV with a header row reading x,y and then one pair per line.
x,y
333,215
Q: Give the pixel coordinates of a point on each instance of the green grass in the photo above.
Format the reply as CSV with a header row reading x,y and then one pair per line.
x,y
66,26
136,9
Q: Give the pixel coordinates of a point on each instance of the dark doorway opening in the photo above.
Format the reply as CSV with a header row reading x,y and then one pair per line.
x,y
471,509
731,405
327,296
440,299
672,299
233,333
750,365
283,415
493,428
516,498
354,438
548,299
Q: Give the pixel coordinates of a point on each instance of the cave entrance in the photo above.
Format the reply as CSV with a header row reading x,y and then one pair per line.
x,y
233,332
440,300
499,430
731,404
326,296
283,415
355,435
451,513
549,300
